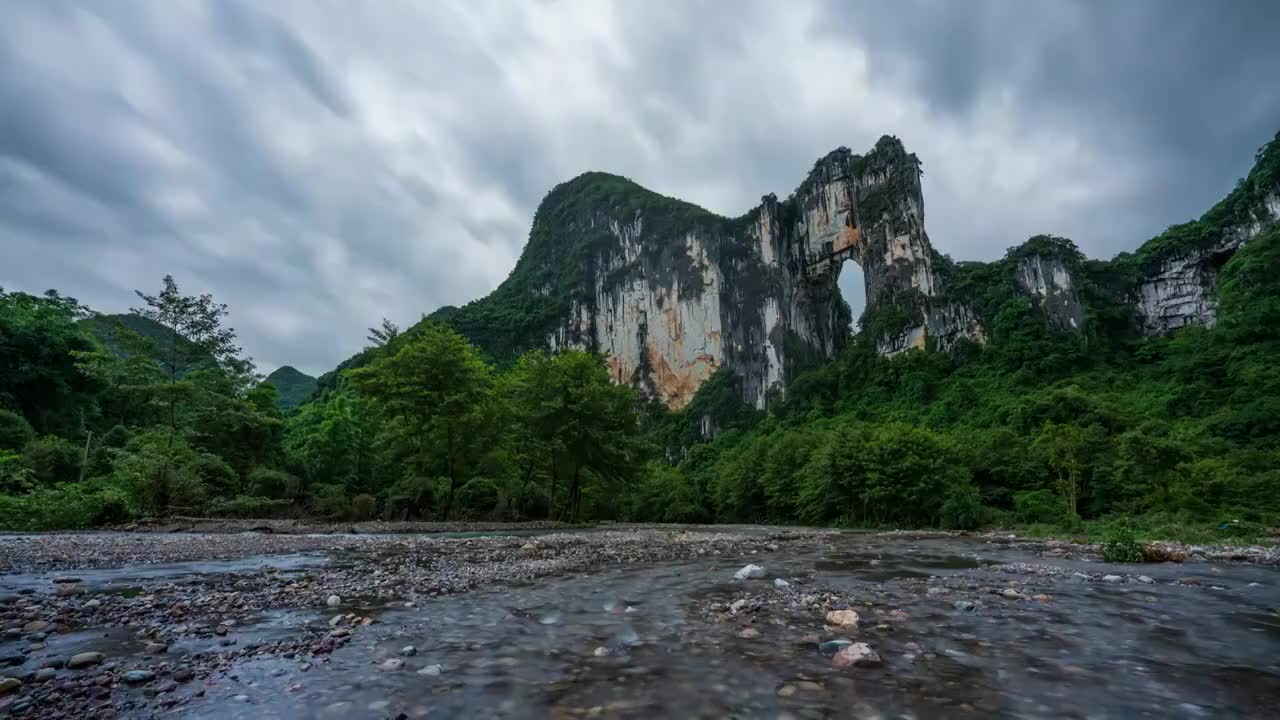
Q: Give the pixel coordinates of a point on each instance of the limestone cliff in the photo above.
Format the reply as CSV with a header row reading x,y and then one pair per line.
x,y
670,292
1178,269
1180,287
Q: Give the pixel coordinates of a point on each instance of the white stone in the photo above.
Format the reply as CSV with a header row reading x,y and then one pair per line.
x,y
749,572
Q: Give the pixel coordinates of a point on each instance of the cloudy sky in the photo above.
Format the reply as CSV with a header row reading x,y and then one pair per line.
x,y
320,164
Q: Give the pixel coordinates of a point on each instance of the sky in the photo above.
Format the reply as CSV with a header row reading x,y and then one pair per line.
x,y
319,164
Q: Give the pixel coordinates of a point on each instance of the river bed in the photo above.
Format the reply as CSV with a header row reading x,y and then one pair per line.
x,y
642,624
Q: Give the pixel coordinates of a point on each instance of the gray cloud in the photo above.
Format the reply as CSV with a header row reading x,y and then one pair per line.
x,y
318,166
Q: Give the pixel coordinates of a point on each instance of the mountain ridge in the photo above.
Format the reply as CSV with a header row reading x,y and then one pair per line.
x,y
656,283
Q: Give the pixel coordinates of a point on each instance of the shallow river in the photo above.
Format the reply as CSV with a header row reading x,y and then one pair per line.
x,y
643,641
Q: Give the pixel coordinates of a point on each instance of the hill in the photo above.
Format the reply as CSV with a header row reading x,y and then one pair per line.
x,y
293,385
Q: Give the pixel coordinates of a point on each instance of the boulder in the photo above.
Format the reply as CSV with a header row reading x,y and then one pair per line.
x,y
749,572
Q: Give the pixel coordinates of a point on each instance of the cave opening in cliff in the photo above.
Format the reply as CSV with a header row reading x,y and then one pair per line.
x,y
853,289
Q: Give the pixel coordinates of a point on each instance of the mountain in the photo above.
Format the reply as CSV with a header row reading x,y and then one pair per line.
x,y
670,292
294,386
107,327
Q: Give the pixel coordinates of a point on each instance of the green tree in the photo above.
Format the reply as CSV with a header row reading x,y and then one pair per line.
x,y
39,375
196,338
441,393
1068,451
584,426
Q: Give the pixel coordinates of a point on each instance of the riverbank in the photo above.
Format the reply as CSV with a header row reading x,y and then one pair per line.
x,y
306,625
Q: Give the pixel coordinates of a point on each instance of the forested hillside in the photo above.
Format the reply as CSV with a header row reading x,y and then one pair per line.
x,y
108,418
294,386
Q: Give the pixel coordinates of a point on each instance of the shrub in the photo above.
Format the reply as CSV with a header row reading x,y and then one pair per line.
x,y
363,507
331,501
53,459
411,497
269,483
1121,546
15,431
218,476
477,498
66,506
15,476
1039,506
963,509
250,507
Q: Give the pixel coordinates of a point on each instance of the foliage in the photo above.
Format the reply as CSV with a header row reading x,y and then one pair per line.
x,y
1122,546
364,507
478,498
250,507
66,506
963,509
53,459
410,498
441,393
15,431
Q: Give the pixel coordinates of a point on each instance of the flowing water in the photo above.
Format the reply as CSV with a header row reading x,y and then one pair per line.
x,y
642,641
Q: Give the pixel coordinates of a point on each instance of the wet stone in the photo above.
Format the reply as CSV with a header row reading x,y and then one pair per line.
x,y
137,677
85,659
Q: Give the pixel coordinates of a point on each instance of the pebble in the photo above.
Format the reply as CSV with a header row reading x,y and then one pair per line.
x,y
93,604
1111,578
85,659
137,677
749,572
749,633
963,605
528,547
241,698
601,651
156,648
8,685
67,590
936,591
432,670
46,674
182,674
333,601
392,664
831,647
408,651
1145,579
1010,594
856,655
737,605
780,583
842,618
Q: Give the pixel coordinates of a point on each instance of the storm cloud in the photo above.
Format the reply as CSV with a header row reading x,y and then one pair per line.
x,y
320,165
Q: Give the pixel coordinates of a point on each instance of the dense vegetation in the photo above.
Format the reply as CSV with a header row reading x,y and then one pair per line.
x,y
103,419
107,418
295,387
1041,425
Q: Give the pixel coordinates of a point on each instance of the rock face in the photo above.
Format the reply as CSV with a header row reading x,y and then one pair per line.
x,y
1181,290
670,293
1049,282
669,302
